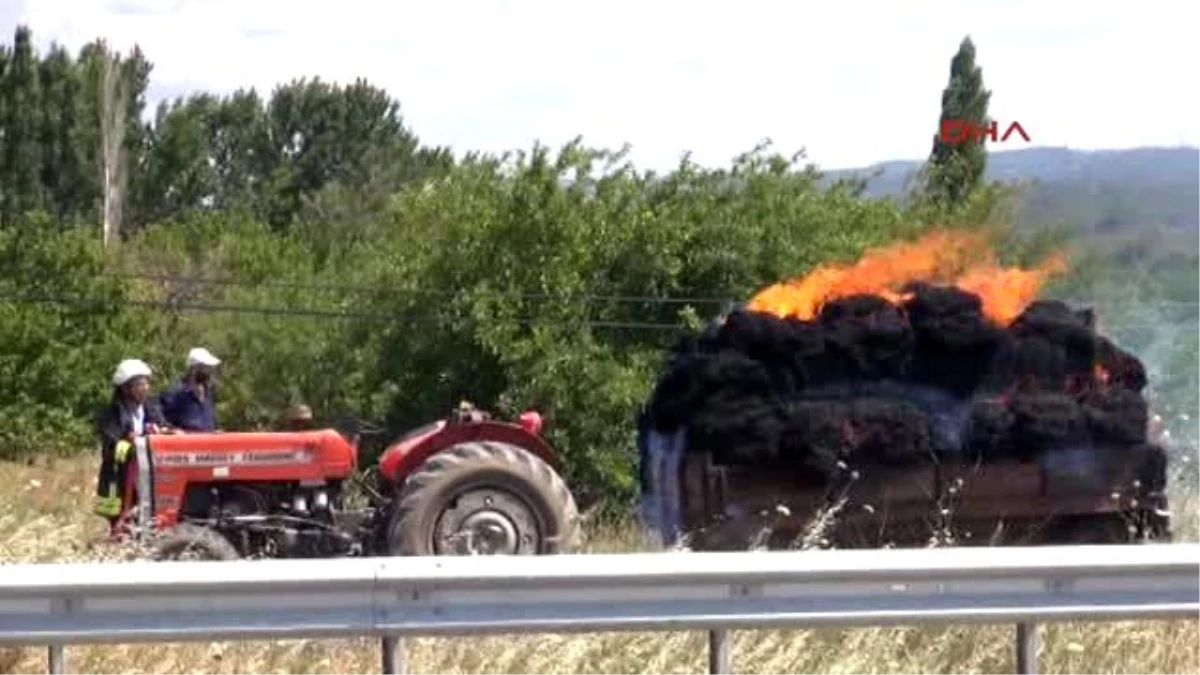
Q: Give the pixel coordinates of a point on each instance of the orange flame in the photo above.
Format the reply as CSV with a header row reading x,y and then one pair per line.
x,y
962,259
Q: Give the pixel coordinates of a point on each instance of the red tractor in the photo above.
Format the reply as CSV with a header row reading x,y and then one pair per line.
x,y
467,484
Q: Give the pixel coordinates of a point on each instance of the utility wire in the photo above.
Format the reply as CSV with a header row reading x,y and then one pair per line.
x,y
99,306
241,283
583,298
429,319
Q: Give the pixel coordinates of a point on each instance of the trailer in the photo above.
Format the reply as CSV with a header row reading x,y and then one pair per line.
x,y
1061,497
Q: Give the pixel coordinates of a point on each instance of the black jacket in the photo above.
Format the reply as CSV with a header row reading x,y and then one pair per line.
x,y
115,421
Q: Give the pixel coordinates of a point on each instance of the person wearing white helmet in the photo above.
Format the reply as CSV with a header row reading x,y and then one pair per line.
x,y
128,415
190,404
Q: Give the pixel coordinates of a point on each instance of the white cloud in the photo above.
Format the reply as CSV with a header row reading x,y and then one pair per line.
x,y
853,81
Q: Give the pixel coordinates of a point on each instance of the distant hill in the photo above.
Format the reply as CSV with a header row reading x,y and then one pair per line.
x,y
1137,165
1105,191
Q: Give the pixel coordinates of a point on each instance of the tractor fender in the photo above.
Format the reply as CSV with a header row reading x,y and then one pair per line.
x,y
410,451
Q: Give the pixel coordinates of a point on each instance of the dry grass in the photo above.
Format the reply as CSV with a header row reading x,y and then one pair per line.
x,y
44,516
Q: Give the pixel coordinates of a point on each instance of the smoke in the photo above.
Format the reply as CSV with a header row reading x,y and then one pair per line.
x,y
1143,285
1166,337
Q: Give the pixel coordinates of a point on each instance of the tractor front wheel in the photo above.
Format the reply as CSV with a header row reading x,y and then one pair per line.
x,y
483,498
186,541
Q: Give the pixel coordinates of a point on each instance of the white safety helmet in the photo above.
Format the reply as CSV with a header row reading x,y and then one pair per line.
x,y
129,369
199,356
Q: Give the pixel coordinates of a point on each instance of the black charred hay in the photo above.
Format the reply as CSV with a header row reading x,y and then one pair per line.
x,y
869,383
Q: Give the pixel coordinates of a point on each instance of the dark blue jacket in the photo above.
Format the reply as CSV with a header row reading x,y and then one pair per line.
x,y
184,409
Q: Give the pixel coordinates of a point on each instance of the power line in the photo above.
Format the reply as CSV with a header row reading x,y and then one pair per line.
x,y
583,298
100,305
288,285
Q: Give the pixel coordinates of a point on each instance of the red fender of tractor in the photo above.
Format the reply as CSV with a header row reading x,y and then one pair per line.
x,y
402,457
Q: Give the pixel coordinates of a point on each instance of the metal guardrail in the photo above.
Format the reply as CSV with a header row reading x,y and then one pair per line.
x,y
62,604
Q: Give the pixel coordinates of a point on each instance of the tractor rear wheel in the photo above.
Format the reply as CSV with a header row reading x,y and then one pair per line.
x,y
483,498
186,541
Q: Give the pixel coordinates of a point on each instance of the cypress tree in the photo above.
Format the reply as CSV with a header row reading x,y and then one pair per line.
x,y
956,167
21,163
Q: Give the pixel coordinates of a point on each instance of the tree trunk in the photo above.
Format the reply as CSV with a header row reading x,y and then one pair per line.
x,y
112,131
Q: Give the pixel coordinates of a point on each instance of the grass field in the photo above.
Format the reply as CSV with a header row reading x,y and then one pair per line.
x,y
45,516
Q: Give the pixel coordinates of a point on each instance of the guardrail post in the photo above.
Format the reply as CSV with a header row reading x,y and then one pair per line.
x,y
1028,645
393,655
58,659
718,651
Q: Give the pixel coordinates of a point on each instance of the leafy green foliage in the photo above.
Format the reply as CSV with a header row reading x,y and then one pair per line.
x,y
63,331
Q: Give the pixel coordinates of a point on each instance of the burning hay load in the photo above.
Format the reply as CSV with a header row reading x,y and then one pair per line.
x,y
917,355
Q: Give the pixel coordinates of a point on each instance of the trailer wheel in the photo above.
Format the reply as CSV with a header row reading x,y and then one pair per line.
x,y
483,498
193,542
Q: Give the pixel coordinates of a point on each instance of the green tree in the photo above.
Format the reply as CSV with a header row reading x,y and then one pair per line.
x,y
63,329
956,167
21,163
322,134
179,173
65,172
311,151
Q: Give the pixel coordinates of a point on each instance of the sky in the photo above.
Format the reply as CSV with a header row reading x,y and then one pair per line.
x,y
850,82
